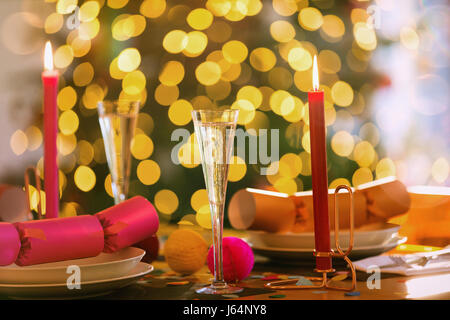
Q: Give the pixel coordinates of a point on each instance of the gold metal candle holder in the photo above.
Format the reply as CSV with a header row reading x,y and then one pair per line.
x,y
323,281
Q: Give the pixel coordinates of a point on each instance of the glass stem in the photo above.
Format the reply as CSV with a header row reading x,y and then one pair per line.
x,y
217,211
117,191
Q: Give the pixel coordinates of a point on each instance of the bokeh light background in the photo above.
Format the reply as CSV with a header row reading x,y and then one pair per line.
x,y
386,90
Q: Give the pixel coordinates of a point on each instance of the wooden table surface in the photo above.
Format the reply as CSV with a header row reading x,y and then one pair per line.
x,y
392,287
164,284
159,286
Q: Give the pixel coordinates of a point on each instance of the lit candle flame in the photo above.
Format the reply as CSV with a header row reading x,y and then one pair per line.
x,y
48,56
315,75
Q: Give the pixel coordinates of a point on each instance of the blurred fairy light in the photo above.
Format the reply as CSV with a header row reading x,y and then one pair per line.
x,y
204,57
417,93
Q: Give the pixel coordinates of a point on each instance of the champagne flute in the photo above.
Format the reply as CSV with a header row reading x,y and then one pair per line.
x,y
215,132
118,123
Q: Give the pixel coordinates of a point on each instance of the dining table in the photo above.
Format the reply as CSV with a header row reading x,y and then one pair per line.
x,y
163,283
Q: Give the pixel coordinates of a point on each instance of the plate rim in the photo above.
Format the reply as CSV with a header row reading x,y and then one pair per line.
x,y
149,266
311,233
36,266
399,240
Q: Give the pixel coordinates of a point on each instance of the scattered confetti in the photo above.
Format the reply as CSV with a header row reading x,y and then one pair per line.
x,y
283,277
270,274
157,272
178,283
231,296
352,294
302,281
270,278
339,277
341,272
319,292
277,296
256,277
295,277
144,281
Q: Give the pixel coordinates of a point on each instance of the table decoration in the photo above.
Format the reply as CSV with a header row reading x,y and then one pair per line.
x,y
87,289
305,256
238,259
13,204
128,223
319,170
427,201
59,239
409,264
118,123
215,132
376,234
100,267
9,244
375,202
253,209
386,197
51,173
185,251
322,252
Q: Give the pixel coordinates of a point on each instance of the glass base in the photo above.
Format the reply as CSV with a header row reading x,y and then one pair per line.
x,y
214,289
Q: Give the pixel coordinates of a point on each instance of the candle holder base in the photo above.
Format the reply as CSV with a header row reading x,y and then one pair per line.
x,y
324,282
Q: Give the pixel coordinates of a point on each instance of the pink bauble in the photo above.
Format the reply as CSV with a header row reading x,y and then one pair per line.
x,y
238,259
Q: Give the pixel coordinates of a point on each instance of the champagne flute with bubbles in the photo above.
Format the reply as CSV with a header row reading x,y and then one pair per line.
x,y
118,123
215,132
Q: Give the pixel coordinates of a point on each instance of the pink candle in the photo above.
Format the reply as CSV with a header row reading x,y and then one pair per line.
x,y
50,82
319,170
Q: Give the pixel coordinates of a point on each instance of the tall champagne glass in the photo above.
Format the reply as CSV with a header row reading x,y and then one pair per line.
x,y
118,123
215,132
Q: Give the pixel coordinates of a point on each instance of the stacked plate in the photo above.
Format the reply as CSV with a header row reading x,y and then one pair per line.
x,y
97,276
295,248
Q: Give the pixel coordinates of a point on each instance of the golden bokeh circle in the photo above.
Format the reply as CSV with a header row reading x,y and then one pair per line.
x,y
200,19
166,201
148,172
235,51
84,178
208,73
262,59
180,112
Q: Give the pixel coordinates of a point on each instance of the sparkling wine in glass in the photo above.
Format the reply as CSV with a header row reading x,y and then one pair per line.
x,y
215,132
118,123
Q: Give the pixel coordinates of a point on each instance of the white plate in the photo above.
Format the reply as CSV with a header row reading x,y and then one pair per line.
x,y
370,235
88,288
289,255
103,266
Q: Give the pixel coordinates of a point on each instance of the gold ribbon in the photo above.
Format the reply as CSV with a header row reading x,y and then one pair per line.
x,y
115,228
34,233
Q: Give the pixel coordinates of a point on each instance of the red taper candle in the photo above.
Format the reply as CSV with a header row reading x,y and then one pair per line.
x,y
319,171
50,83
